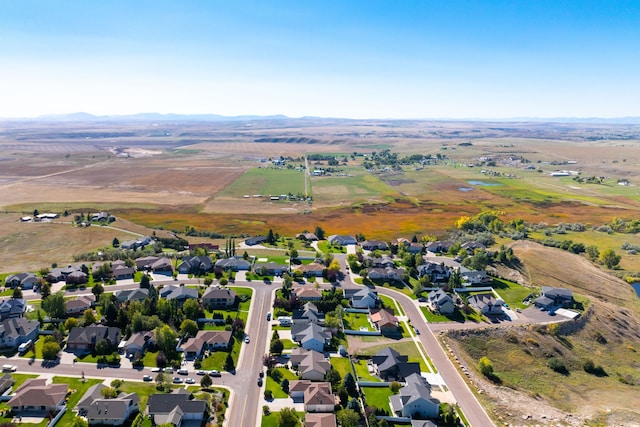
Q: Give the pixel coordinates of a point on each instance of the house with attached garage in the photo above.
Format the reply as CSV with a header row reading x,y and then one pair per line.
x,y
21,280
307,294
311,336
372,245
389,273
361,297
16,331
384,321
336,239
12,308
35,395
84,339
319,419
80,304
486,303
414,400
218,297
391,366
176,408
138,343
439,301
138,294
196,265
100,411
178,293
554,297
311,270
270,268
233,264
252,241
311,365
437,273
317,396
205,340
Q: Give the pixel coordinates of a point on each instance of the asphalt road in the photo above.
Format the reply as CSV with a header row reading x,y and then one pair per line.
x,y
244,409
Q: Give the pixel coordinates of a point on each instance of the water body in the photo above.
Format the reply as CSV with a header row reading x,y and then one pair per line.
x,y
483,183
464,189
636,286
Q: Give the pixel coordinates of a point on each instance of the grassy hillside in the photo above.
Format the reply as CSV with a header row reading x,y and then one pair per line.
x,y
607,336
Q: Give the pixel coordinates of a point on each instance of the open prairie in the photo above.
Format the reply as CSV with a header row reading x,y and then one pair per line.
x,y
172,175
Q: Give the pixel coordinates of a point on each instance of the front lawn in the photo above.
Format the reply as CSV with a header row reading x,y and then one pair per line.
x,y
276,387
391,303
78,389
216,359
512,293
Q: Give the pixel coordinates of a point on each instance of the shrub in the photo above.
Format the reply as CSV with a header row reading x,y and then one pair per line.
x,y
593,369
557,365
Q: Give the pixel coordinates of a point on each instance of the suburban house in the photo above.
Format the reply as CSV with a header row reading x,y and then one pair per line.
x,y
311,270
312,337
121,271
6,383
76,278
384,321
384,261
307,314
389,273
138,343
474,277
415,248
160,265
440,302
486,304
439,246
310,237
205,340
311,365
437,273
319,419
270,268
100,411
84,339
336,239
175,408
317,396
361,297
78,305
414,399
233,264
59,274
197,265
16,331
12,308
554,297
137,243
34,395
22,280
372,245
215,297
252,241
307,294
178,293
471,247
138,294
391,366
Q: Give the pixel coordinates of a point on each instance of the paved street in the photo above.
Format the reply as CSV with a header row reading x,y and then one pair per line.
x,y
245,408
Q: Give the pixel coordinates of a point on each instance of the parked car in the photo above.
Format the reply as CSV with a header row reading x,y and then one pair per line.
x,y
168,370
156,369
215,374
259,382
177,380
147,378
190,381
268,316
182,372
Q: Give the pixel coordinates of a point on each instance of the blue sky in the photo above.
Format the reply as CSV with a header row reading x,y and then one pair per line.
x,y
355,59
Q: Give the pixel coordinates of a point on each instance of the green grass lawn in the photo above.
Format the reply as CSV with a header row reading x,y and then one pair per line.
x,y
271,420
511,292
78,389
363,372
341,364
35,352
407,348
288,344
378,397
456,316
396,286
266,181
390,303
276,387
356,321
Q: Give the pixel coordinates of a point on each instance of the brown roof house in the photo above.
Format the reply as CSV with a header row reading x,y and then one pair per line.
x,y
218,297
34,395
205,340
84,339
318,419
100,411
78,305
384,320
317,396
311,365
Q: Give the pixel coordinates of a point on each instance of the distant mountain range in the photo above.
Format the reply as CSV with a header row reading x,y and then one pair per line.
x,y
157,117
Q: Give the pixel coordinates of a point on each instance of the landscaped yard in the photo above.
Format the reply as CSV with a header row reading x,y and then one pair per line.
x,y
216,359
362,371
407,348
276,387
356,321
512,293
390,303
378,397
341,364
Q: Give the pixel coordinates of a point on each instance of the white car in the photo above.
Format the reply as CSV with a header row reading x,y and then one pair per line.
x,y
246,339
156,369
190,381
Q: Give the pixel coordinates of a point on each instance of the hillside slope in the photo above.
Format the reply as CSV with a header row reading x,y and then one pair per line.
x,y
528,391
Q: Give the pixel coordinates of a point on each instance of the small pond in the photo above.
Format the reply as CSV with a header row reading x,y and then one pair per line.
x,y
636,286
464,189
483,183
